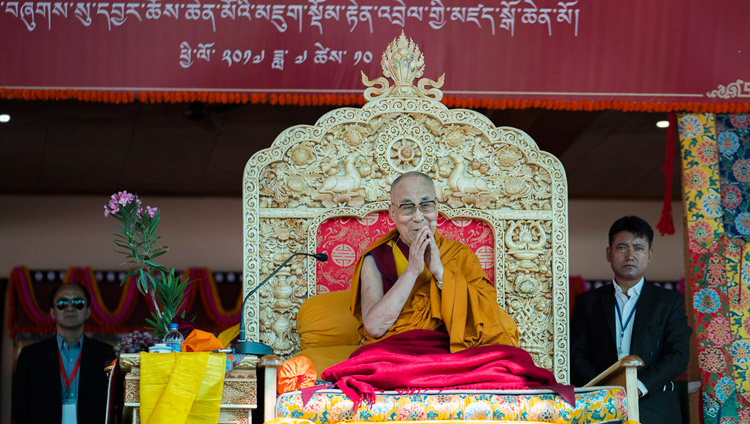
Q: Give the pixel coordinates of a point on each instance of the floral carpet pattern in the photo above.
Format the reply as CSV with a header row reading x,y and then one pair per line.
x,y
596,405
715,152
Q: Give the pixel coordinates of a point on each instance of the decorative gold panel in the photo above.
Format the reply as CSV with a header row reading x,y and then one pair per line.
x,y
344,165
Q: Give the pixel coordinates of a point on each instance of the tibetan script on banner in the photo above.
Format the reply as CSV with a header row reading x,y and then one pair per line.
x,y
582,50
504,15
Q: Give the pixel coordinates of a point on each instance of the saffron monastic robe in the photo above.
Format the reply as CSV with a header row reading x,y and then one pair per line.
x,y
466,307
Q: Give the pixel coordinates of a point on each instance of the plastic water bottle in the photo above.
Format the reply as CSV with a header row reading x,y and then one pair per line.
x,y
174,338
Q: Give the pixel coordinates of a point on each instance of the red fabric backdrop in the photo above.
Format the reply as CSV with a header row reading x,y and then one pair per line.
x,y
117,308
677,52
345,239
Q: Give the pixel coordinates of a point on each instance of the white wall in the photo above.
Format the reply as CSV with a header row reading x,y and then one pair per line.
x,y
54,232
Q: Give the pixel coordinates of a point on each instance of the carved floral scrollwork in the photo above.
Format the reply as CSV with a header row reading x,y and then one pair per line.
x,y
528,272
403,62
405,154
483,176
324,173
473,171
525,242
281,297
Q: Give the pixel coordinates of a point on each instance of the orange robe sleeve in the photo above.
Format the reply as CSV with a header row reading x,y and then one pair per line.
x,y
466,306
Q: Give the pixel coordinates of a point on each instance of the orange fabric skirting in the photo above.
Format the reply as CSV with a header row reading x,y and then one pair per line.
x,y
352,99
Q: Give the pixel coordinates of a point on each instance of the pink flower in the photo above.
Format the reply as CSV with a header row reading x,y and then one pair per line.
x,y
151,211
114,207
124,197
106,211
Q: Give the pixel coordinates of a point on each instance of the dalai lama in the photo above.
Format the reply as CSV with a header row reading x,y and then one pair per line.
x,y
414,278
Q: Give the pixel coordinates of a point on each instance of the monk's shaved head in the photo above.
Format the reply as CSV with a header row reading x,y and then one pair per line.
x,y
411,176
413,205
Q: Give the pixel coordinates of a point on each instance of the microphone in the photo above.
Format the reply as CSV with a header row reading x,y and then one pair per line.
x,y
322,257
253,348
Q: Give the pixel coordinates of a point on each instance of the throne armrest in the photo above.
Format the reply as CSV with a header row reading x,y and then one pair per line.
x,y
623,373
270,365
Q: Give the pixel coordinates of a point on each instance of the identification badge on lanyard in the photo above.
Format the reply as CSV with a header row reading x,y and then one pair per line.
x,y
69,413
67,381
623,326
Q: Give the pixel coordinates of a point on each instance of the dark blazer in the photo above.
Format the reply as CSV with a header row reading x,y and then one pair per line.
x,y
660,337
36,396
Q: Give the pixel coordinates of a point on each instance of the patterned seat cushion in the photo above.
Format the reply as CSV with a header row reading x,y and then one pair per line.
x,y
593,405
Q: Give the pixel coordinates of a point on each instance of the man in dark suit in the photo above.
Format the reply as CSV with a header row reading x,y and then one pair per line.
x,y
633,316
62,379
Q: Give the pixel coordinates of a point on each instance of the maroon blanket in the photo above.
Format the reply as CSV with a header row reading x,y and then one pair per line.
x,y
421,360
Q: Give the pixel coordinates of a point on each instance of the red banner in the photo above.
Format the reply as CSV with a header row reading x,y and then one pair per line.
x,y
667,51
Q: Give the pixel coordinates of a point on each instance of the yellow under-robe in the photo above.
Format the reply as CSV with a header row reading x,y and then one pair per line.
x,y
466,306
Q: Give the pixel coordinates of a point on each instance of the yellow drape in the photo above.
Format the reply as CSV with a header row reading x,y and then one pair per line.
x,y
181,387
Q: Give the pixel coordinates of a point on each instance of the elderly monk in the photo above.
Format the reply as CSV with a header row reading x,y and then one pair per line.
x,y
414,278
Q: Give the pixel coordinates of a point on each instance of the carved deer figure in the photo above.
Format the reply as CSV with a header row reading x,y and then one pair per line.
x,y
459,182
347,183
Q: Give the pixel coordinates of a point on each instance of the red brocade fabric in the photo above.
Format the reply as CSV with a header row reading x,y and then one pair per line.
x,y
421,360
345,239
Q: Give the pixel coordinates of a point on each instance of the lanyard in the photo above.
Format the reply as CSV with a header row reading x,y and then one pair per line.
x,y
67,381
627,321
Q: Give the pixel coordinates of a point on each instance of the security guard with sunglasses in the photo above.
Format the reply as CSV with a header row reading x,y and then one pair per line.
x,y
62,379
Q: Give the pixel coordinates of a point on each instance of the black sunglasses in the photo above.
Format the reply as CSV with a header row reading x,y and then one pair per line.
x,y
63,303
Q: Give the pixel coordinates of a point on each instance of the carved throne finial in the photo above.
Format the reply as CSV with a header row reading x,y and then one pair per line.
x,y
402,62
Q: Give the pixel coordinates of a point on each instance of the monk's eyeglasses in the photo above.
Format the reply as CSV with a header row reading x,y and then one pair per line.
x,y
77,303
409,209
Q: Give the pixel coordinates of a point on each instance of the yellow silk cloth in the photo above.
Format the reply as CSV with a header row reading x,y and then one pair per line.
x,y
181,387
466,306
226,336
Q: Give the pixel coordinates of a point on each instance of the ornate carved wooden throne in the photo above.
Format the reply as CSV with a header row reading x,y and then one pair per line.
x,y
342,167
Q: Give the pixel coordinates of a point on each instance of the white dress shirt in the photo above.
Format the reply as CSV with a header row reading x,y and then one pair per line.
x,y
626,302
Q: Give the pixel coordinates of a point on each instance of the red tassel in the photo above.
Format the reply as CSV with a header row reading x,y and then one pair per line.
x,y
666,223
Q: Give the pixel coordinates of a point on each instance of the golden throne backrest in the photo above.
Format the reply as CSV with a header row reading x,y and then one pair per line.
x,y
344,165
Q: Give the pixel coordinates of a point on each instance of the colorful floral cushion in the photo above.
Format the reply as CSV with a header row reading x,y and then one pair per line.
x,y
593,405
